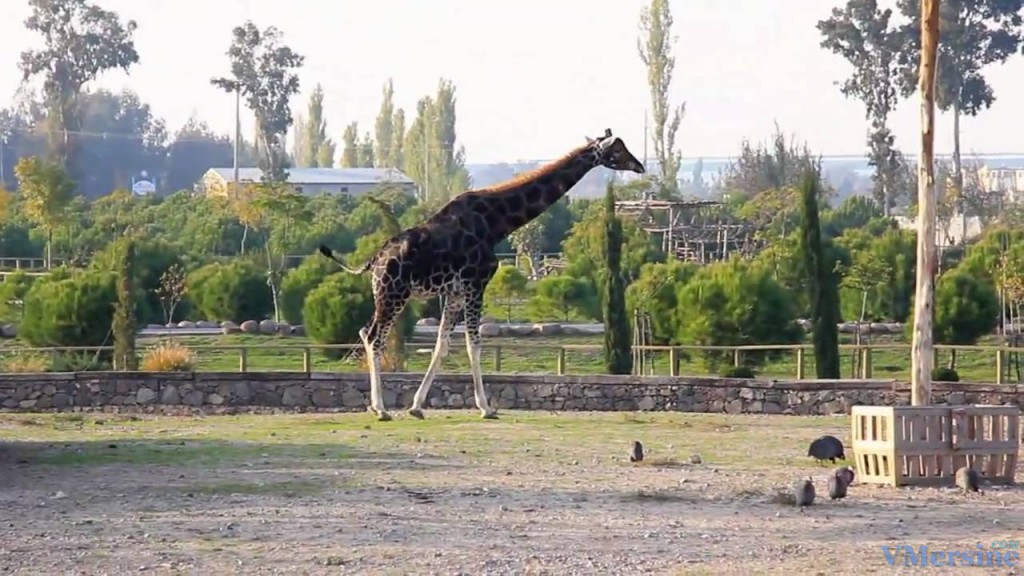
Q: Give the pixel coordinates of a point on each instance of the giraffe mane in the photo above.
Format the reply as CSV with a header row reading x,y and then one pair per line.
x,y
531,175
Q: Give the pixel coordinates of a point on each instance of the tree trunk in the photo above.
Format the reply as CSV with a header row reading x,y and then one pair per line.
x,y
952,359
921,351
245,235
958,174
49,248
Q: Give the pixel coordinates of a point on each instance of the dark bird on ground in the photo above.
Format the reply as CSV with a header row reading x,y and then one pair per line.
x,y
827,448
638,452
803,492
967,479
847,473
837,485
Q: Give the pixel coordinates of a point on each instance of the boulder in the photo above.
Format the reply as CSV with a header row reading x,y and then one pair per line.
x,y
547,329
298,330
268,326
186,324
206,324
284,329
9,331
490,330
427,322
250,327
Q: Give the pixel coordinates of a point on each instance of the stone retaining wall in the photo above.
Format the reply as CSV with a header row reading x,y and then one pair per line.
x,y
233,391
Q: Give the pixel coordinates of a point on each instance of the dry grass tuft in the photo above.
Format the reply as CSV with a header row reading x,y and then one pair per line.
x,y
168,357
25,363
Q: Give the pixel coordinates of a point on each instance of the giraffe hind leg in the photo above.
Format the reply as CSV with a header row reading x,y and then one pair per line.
x,y
374,339
474,308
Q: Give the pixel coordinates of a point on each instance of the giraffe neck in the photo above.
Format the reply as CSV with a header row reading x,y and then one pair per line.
x,y
515,205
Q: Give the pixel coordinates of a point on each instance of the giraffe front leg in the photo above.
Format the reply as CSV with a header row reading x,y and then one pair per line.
x,y
473,311
444,334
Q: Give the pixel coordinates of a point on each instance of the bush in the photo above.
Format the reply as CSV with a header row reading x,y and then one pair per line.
x,y
76,311
235,291
739,372
26,362
168,357
945,374
152,259
12,295
299,282
335,310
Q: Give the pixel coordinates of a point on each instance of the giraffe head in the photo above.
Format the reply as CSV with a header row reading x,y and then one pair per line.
x,y
611,152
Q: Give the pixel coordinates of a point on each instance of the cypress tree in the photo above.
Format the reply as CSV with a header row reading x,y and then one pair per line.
x,y
618,357
821,283
124,328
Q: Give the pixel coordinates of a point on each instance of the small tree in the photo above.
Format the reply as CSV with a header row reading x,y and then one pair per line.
x,y
821,284
966,308
559,296
47,190
124,326
506,289
617,346
172,289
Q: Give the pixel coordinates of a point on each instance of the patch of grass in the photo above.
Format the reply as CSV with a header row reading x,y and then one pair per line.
x,y
26,362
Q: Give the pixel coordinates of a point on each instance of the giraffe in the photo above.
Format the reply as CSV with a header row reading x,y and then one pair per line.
x,y
451,255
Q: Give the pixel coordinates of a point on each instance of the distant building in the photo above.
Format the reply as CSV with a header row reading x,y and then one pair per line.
x,y
313,181
1007,181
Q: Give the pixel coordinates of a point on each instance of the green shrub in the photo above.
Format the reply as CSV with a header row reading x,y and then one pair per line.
x,y
335,310
235,291
76,311
12,291
739,372
300,281
945,374
152,259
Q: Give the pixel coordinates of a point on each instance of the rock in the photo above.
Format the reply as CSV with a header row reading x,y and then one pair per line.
x,y
155,326
268,326
232,329
294,396
284,329
298,330
250,327
696,459
215,399
169,395
9,331
427,322
547,329
488,320
490,330
145,396
645,404
186,324
207,324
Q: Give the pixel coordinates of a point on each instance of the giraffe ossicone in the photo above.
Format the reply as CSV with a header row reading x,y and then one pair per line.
x,y
451,255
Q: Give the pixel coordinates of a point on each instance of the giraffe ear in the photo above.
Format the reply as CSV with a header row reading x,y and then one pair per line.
x,y
607,132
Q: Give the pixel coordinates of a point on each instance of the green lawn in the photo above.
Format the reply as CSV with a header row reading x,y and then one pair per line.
x,y
529,355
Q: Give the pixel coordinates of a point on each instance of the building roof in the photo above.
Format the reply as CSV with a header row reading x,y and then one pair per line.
x,y
342,176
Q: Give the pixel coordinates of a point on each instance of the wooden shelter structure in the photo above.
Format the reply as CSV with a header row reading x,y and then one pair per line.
x,y
692,230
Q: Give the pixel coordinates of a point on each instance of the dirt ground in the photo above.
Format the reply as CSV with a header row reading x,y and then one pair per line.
x,y
531,493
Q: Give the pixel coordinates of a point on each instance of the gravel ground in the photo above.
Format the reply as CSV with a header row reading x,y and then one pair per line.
x,y
529,494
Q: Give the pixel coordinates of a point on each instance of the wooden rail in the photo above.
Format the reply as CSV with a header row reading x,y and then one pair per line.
x,y
673,354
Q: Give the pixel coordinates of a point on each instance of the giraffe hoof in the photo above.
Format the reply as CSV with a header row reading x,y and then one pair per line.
x,y
416,413
490,415
381,416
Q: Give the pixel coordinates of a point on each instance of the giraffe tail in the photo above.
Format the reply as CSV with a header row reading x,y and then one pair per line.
x,y
326,251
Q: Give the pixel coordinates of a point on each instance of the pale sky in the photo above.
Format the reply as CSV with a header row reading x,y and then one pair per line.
x,y
533,77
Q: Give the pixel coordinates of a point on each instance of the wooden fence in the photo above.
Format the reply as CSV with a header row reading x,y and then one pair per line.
x,y
669,358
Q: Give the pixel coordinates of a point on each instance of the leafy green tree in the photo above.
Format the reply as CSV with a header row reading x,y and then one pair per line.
x,y
81,41
366,156
853,213
432,158
152,257
655,48
262,69
761,166
124,327
583,248
975,34
655,290
506,289
12,295
46,190
385,134
299,282
861,33
618,357
350,146
69,309
895,253
734,303
560,296
335,310
821,283
318,149
235,291
966,308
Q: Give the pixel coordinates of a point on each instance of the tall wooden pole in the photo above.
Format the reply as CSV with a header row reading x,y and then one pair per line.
x,y
921,359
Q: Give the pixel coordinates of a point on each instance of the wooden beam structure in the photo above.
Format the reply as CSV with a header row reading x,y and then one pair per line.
x,y
921,357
